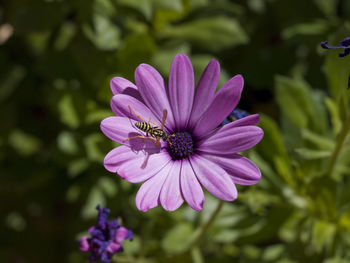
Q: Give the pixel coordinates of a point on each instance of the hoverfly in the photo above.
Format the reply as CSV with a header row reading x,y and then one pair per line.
x,y
152,132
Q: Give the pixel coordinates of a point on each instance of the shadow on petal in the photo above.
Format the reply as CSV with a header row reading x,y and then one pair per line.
x,y
145,144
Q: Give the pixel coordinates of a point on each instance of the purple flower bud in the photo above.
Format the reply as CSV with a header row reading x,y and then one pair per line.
x,y
106,238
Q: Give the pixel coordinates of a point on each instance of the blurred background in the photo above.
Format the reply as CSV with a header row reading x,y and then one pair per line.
x,y
56,60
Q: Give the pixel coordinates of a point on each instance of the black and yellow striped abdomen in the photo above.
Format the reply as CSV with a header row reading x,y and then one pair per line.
x,y
144,126
152,131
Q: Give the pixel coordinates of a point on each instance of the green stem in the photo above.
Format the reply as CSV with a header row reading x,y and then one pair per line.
x,y
340,141
206,226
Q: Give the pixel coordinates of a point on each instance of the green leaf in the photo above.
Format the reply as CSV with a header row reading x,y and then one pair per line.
x,y
108,186
66,34
133,247
133,53
213,33
292,97
143,6
163,57
317,27
95,198
24,143
16,221
11,81
104,34
91,143
272,139
197,256
327,7
68,112
334,113
169,5
323,235
318,140
178,238
303,106
97,116
66,143
227,236
273,252
310,154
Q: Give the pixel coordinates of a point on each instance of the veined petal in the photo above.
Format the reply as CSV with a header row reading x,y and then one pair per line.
x,y
246,121
135,167
123,86
127,106
225,101
181,89
228,141
170,196
152,88
190,187
242,170
213,178
121,129
205,91
148,195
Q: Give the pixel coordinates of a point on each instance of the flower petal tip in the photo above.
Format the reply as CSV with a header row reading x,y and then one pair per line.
x,y
181,56
198,207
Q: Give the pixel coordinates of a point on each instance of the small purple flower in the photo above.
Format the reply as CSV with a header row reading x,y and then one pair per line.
x,y
344,44
106,238
196,152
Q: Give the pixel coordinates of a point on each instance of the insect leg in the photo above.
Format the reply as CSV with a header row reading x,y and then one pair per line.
x,y
142,137
138,116
165,114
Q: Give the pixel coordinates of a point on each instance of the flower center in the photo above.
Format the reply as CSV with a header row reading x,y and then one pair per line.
x,y
180,145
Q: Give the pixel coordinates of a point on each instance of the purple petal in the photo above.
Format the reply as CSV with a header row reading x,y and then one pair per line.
x,y
228,141
148,195
170,196
135,167
121,234
121,128
118,85
152,88
205,91
123,86
225,101
214,178
181,89
113,247
122,103
190,187
84,243
242,170
246,121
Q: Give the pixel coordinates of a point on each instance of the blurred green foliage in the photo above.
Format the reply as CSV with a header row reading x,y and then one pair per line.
x,y
54,91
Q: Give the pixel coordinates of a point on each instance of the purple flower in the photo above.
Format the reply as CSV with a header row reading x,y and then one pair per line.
x,y
195,152
344,44
106,238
